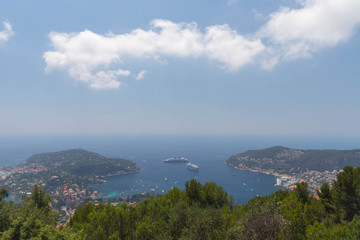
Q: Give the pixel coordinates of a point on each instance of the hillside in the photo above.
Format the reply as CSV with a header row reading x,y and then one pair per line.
x,y
64,175
82,163
287,160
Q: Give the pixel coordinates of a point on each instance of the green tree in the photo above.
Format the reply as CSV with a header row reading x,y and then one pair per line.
x,y
326,197
261,220
6,210
82,215
175,195
40,198
147,229
214,195
178,219
349,231
314,211
193,190
302,192
346,192
204,224
4,193
33,219
317,231
293,211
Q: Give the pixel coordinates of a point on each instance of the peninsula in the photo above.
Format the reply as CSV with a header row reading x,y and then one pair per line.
x,y
64,175
294,165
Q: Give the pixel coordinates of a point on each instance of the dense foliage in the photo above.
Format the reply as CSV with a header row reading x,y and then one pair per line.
x,y
32,219
198,212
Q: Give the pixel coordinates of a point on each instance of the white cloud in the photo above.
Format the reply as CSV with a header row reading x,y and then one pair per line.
x,y
318,24
289,34
140,75
230,48
231,2
83,54
6,33
107,79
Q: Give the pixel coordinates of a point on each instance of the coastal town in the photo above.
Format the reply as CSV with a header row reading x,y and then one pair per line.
x,y
67,192
314,179
291,166
61,175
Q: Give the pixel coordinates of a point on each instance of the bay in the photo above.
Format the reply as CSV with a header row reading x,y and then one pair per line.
x,y
148,151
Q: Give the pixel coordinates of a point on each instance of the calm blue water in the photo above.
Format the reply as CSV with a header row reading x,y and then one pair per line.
x,y
208,152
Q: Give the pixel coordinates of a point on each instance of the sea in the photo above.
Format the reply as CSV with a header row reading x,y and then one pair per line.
x,y
209,152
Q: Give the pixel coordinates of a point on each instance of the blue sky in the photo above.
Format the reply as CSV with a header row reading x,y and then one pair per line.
x,y
259,67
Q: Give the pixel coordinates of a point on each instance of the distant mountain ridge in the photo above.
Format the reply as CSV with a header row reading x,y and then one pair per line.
x,y
287,160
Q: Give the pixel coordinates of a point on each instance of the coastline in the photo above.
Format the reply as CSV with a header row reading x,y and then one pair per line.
x,y
278,176
313,178
122,173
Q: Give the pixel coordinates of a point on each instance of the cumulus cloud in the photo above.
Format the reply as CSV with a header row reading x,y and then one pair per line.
x,y
6,33
295,33
289,33
82,54
140,75
107,79
231,49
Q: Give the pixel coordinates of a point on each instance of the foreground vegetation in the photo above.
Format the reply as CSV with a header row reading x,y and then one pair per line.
x,y
198,212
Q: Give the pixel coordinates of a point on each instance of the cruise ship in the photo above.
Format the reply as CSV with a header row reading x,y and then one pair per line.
x,y
175,160
193,167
